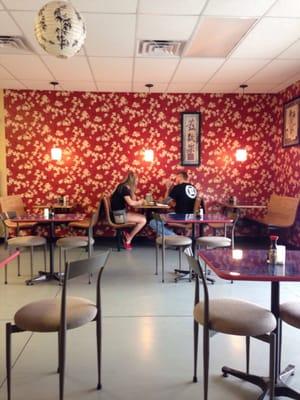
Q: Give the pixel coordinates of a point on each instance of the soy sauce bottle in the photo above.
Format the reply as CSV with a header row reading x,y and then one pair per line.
x,y
272,253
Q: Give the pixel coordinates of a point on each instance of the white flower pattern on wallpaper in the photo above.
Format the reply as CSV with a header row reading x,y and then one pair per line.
x,y
104,134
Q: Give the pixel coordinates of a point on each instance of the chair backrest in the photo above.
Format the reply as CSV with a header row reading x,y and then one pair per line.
x,y
196,267
107,209
76,268
95,216
281,210
12,203
3,217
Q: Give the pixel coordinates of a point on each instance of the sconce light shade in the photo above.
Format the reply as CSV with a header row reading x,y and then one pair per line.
x,y
241,155
60,29
148,155
56,154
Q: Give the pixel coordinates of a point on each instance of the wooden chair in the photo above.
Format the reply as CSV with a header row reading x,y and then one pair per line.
x,y
281,212
15,203
230,316
22,242
117,227
59,315
162,241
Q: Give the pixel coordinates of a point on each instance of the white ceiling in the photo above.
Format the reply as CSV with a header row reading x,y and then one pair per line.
x,y
261,48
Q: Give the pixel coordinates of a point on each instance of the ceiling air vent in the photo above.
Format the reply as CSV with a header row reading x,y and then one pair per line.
x,y
13,44
160,48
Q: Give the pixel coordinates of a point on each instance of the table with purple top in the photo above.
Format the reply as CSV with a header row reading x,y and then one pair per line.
x,y
253,266
51,222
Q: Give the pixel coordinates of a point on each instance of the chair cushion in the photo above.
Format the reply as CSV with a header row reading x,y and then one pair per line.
x,y
213,241
74,241
175,240
290,313
26,241
44,315
236,317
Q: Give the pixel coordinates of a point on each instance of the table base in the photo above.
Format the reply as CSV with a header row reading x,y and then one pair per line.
x,y
281,388
44,276
183,274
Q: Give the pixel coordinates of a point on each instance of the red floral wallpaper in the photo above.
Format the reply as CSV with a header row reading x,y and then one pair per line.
x,y
287,166
104,134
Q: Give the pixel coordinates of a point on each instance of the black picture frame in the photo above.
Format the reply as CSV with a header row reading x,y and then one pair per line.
x,y
190,138
291,123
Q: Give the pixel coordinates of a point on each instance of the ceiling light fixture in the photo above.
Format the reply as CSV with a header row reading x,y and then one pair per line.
x,y
149,86
241,154
54,84
60,29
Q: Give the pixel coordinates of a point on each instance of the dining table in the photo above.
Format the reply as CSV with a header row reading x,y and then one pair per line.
x,y
50,223
252,265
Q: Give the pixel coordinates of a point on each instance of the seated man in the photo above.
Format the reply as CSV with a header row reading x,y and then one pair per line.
x,y
182,196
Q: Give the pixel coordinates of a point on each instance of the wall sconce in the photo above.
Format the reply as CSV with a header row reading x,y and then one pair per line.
x,y
56,154
241,155
148,155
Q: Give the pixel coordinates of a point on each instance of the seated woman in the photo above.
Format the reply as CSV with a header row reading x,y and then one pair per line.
x,y
123,196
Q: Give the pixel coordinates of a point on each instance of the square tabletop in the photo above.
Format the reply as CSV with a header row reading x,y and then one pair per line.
x,y
253,265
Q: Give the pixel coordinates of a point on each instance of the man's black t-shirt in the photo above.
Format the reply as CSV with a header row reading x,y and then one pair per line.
x,y
117,199
185,195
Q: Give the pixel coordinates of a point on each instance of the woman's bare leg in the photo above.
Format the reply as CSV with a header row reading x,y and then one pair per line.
x,y
139,220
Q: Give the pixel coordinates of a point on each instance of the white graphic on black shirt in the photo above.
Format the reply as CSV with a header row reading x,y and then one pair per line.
x,y
190,191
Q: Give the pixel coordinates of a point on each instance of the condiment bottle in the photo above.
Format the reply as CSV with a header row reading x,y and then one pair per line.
x,y
272,253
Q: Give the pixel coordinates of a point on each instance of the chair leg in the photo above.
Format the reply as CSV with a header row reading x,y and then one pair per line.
x,y
45,257
31,262
205,362
99,349
5,274
59,265
163,257
62,360
247,353
8,359
180,257
156,258
272,366
19,265
196,339
58,351
90,251
119,239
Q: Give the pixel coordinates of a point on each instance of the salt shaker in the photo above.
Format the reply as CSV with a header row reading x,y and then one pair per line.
x,y
46,213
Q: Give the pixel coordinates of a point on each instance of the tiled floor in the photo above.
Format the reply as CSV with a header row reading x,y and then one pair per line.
x,y
147,334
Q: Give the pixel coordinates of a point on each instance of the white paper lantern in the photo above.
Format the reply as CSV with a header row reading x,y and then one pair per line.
x,y
60,29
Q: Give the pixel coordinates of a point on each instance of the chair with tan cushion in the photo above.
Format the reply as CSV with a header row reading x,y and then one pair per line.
x,y
230,316
60,314
117,227
163,242
15,203
22,242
